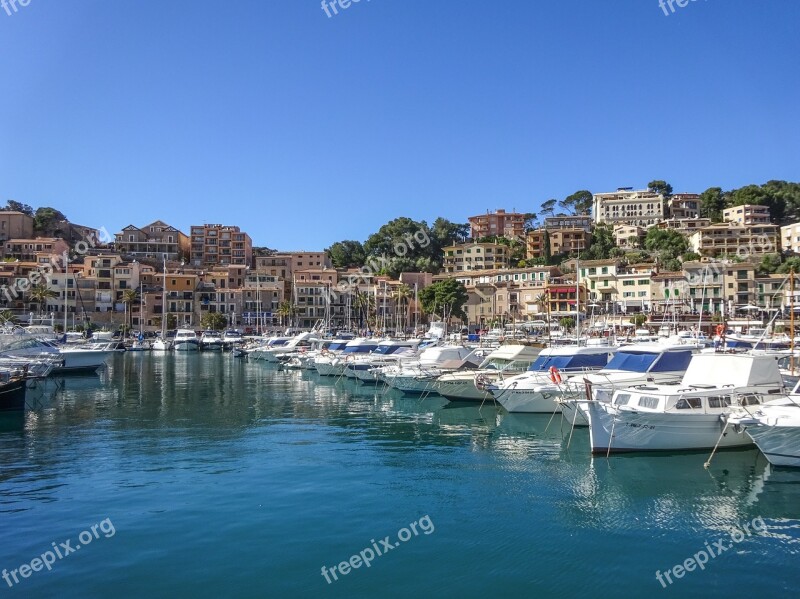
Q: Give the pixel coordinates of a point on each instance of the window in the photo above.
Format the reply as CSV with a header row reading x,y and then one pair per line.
x,y
689,403
719,402
646,401
604,271
622,399
628,283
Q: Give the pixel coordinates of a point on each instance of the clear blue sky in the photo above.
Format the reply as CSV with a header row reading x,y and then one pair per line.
x,y
304,129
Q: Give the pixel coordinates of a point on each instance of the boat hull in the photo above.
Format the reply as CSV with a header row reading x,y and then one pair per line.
x,y
541,400
779,444
12,396
629,430
187,346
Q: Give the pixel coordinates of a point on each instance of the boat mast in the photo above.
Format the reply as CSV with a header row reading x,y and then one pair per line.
x,y
791,321
164,301
578,299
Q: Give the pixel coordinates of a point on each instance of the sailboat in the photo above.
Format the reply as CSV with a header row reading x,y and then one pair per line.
x,y
162,343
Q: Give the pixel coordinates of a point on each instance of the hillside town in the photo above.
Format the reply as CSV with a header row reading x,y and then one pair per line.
x,y
515,268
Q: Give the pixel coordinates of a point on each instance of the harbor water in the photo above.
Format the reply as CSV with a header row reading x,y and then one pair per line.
x,y
208,476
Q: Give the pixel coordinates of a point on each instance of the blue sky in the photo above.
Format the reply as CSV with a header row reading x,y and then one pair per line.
x,y
304,129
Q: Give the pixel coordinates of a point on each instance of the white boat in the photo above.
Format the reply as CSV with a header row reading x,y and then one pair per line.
x,y
334,365
232,338
186,340
688,414
388,353
535,392
161,344
326,363
774,427
506,360
419,375
211,341
634,364
273,352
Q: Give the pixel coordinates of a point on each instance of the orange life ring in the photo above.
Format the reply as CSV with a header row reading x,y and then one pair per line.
x,y
555,375
720,330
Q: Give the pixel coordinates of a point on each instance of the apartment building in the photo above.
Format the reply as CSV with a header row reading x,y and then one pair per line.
x,y
684,206
28,250
773,292
515,293
498,223
790,238
475,256
747,214
706,286
112,276
669,293
633,289
732,239
536,243
213,245
563,296
629,237
569,222
157,240
740,284
15,225
684,226
627,206
568,241
180,300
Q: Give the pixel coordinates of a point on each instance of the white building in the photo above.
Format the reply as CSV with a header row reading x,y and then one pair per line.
x,y
627,206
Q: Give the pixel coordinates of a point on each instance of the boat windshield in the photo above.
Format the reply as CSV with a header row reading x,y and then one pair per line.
x,y
570,362
389,349
337,346
360,349
632,361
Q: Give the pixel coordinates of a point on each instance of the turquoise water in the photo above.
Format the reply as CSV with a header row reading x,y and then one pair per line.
x,y
223,478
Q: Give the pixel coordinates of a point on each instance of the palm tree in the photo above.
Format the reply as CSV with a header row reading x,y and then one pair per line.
x,y
40,294
286,310
541,301
128,297
7,317
401,295
365,304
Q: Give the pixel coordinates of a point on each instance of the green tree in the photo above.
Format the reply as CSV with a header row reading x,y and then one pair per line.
x,y
531,221
760,196
14,206
712,202
286,310
549,207
579,202
791,264
40,294
446,298
347,254
667,244
214,321
638,320
45,219
7,317
601,244
567,323
769,264
659,186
